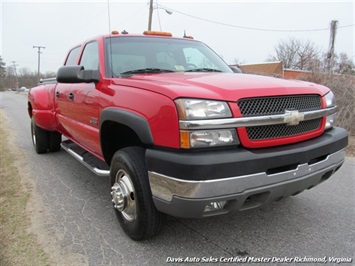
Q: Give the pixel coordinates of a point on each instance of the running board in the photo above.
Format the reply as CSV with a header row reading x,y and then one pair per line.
x,y
94,164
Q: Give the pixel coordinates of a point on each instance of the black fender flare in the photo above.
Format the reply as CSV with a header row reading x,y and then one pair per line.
x,y
136,122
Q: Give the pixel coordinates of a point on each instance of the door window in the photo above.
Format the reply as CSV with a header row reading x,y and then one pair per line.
x,y
73,56
90,57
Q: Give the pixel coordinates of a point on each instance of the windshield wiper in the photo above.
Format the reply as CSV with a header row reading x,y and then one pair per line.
x,y
204,69
145,71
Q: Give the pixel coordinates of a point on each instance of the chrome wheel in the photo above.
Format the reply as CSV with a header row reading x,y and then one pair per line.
x,y
131,195
33,134
123,196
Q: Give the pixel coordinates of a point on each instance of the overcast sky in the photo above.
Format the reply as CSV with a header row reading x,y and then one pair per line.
x,y
246,30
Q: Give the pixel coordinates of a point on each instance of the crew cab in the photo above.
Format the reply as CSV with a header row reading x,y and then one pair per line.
x,y
178,133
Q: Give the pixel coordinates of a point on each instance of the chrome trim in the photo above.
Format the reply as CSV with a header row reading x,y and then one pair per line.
x,y
165,187
265,120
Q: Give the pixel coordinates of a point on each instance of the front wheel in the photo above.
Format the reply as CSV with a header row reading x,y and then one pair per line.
x,y
131,195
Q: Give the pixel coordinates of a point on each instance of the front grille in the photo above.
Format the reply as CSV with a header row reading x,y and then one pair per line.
x,y
282,130
278,105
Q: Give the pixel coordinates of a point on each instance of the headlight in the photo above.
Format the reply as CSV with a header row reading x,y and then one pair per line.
x,y
194,109
202,109
330,102
329,99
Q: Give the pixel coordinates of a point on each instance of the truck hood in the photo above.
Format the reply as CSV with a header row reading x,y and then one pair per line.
x,y
219,86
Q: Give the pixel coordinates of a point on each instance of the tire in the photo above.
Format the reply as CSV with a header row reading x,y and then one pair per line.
x,y
132,197
40,138
55,139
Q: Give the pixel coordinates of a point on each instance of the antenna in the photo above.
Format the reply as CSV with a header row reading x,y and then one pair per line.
x,y
110,43
109,16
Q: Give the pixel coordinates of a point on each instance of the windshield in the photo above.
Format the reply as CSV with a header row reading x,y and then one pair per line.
x,y
137,55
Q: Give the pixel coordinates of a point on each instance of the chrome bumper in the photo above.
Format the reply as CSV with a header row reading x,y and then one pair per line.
x,y
187,198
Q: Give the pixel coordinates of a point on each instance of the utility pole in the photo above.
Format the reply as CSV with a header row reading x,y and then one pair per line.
x,y
151,8
330,55
39,59
150,15
14,65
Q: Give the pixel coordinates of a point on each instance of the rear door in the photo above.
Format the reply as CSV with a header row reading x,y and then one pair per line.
x,y
62,96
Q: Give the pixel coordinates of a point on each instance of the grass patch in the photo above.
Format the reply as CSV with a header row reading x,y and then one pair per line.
x,y
17,245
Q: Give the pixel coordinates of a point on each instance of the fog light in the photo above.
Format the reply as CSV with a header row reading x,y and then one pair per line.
x,y
215,205
330,122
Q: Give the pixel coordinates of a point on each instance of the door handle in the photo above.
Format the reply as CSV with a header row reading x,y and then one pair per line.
x,y
71,96
57,94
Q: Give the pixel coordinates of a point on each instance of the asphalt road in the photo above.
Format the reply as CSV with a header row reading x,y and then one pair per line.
x,y
80,220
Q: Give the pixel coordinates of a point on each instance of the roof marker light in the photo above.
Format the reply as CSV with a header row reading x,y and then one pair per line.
x,y
157,33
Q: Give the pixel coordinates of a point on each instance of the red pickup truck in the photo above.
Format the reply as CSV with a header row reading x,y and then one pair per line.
x,y
179,133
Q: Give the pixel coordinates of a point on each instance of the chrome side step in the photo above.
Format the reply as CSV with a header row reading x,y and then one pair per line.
x,y
94,164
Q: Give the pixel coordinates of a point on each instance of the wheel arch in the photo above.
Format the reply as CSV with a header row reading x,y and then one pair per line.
x,y
29,109
40,106
121,128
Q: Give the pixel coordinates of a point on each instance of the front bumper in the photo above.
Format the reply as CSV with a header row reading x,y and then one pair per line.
x,y
183,184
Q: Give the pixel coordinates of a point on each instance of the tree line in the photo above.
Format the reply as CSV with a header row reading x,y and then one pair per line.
x,y
305,55
11,78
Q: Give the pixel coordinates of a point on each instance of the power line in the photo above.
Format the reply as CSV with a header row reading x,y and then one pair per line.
x,y
251,28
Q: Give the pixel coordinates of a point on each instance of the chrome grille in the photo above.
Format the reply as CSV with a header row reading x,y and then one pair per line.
x,y
278,105
282,130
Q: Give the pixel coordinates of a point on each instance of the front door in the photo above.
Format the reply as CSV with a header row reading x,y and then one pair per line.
x,y
83,105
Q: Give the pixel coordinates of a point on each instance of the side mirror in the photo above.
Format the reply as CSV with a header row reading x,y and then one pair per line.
x,y
235,69
77,74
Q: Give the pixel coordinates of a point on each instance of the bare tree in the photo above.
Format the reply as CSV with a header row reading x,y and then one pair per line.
x,y
49,74
2,73
344,65
296,54
237,61
10,77
26,77
308,56
286,52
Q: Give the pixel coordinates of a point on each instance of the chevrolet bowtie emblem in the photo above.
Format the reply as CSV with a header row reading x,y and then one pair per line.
x,y
293,118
